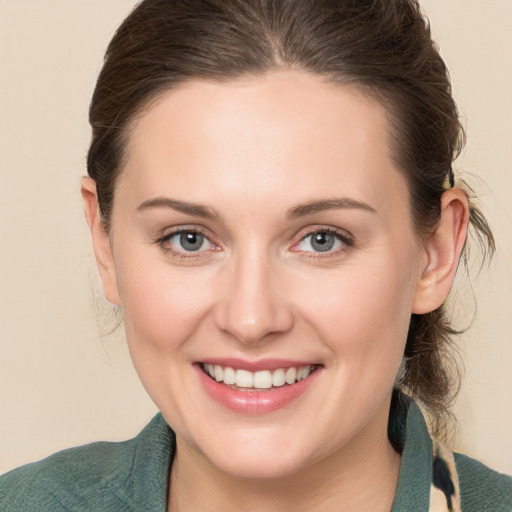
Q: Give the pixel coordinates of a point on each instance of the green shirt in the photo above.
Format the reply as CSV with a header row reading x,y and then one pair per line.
x,y
133,476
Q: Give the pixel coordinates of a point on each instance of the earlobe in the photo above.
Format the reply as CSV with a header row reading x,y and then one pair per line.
x,y
442,249
100,240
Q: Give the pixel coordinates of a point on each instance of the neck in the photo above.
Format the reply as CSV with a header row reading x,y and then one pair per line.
x,y
361,477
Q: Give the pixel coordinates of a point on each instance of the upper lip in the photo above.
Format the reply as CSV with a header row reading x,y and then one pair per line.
x,y
256,365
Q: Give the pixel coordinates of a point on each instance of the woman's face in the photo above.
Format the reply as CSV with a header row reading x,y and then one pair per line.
x,y
262,228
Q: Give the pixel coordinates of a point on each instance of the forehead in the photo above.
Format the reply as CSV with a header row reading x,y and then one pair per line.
x,y
285,136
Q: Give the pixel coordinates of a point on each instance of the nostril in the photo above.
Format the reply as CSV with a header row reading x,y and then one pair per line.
x,y
250,306
262,323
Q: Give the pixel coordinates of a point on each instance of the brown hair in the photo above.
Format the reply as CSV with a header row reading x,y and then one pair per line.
x,y
384,47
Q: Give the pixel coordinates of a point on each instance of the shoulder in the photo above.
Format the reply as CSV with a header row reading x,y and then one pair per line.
x,y
481,488
71,476
98,476
433,477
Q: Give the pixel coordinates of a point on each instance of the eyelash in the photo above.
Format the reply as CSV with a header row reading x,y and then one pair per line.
x,y
181,254
342,237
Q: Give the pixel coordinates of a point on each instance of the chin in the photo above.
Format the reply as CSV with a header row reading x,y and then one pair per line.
x,y
260,468
263,458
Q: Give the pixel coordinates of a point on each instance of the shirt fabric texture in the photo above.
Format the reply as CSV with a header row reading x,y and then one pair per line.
x,y
132,476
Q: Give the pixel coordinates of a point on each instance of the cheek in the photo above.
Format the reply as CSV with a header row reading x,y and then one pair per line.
x,y
161,306
163,309
363,311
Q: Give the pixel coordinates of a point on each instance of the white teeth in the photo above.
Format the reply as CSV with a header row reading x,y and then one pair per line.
x,y
244,379
278,378
291,375
302,373
263,379
229,376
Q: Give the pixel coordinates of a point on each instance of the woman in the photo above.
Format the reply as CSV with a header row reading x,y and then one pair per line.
x,y
272,206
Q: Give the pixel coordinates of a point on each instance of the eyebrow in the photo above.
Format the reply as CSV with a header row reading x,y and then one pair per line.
x,y
327,204
195,209
206,212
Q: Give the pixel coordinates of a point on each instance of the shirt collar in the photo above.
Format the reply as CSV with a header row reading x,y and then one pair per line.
x,y
144,484
414,482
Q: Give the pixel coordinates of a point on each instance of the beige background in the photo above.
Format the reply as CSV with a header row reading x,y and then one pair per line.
x,y
60,384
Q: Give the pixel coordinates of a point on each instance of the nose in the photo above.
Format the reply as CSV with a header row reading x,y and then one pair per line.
x,y
252,306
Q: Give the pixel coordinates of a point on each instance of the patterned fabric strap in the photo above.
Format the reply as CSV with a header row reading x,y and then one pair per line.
x,y
445,489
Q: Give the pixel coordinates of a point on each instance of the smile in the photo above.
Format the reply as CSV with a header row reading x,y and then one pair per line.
x,y
261,380
257,388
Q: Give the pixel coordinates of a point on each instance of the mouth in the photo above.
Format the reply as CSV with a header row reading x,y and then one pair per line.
x,y
259,381
257,387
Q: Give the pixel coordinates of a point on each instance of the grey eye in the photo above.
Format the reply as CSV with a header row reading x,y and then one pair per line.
x,y
191,241
322,241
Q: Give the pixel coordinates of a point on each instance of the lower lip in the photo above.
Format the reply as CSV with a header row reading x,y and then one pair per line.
x,y
255,402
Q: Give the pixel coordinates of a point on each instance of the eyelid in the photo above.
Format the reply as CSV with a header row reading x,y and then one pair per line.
x,y
161,240
346,239
343,236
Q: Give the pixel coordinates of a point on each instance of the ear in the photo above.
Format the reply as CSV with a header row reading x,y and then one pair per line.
x,y
100,240
442,250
